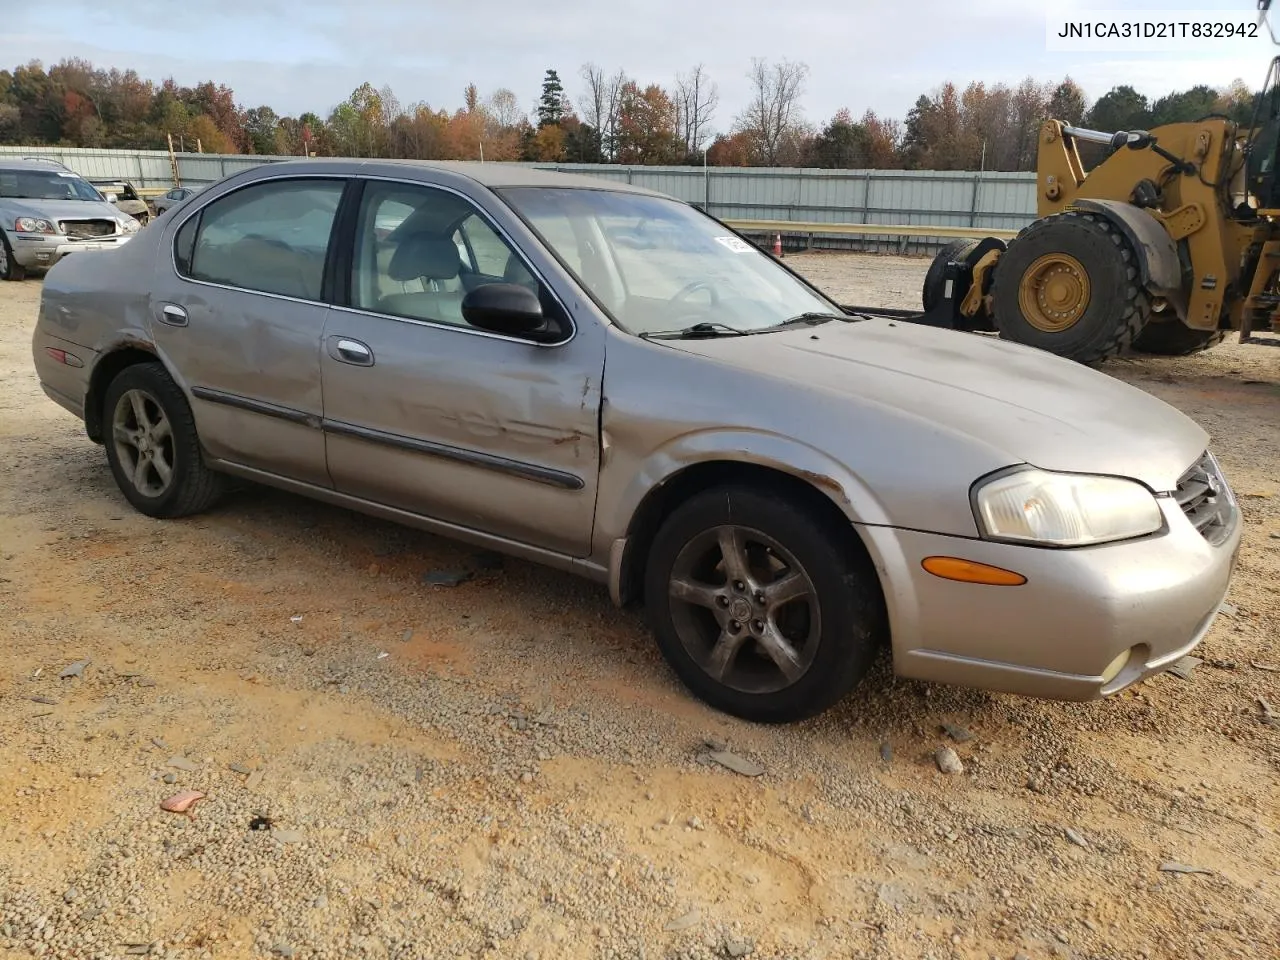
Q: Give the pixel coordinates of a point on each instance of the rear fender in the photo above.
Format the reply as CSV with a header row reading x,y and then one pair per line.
x,y
1158,265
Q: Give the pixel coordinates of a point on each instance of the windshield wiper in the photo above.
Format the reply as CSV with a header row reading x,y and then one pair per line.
x,y
810,319
696,331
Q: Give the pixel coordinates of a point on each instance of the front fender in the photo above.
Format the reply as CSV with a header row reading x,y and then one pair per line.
x,y
1158,265
627,481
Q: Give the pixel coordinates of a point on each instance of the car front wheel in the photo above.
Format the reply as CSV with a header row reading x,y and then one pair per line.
x,y
10,269
760,611
152,446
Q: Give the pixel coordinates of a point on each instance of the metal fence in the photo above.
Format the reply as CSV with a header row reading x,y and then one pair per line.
x,y
893,198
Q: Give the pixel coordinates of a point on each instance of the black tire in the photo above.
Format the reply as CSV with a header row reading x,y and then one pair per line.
x,y
10,269
851,624
935,280
1117,308
193,487
1172,338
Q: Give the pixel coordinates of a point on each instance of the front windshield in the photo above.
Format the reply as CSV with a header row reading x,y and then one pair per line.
x,y
45,185
659,265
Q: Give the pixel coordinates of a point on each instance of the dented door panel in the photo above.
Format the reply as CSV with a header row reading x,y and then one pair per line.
x,y
487,432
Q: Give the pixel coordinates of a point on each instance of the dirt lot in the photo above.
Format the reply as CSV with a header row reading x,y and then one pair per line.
x,y
507,769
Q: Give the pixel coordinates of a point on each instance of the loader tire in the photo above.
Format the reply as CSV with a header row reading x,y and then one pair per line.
x,y
1172,338
935,281
1068,284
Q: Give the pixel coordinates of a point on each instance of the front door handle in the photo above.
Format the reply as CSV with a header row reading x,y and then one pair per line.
x,y
346,350
173,315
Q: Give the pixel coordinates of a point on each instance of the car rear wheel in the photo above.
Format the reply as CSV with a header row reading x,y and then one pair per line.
x,y
758,610
152,446
10,269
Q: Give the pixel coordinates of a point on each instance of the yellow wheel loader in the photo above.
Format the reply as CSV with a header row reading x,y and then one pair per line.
x,y
1163,246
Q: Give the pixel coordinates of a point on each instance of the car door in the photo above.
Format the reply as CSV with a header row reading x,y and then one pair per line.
x,y
428,414
238,312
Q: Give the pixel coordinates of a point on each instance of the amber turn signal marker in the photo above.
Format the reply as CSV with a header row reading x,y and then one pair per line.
x,y
967,571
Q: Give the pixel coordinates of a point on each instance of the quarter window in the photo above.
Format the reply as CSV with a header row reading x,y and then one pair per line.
x,y
419,251
271,237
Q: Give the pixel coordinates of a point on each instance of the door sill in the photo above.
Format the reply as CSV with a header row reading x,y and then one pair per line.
x,y
560,561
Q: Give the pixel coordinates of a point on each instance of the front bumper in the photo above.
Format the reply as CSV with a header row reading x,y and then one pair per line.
x,y
40,251
1055,635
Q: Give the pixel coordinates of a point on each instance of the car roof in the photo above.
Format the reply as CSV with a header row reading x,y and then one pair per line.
x,y
7,163
494,175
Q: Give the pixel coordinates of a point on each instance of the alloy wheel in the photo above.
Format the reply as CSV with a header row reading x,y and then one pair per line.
x,y
744,609
143,439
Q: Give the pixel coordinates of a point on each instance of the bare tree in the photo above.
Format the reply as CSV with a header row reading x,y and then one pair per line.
x,y
593,103
696,100
504,105
774,107
391,109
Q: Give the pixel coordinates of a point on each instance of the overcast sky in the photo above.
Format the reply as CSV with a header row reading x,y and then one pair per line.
x,y
298,55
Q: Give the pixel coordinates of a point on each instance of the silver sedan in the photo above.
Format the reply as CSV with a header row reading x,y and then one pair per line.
x,y
609,381
171,198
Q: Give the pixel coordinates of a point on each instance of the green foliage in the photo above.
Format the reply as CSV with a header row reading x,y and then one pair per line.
x,y
551,105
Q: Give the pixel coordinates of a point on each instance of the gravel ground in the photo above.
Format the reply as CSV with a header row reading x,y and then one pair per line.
x,y
507,769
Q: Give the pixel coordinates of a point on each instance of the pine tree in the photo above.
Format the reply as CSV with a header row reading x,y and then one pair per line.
x,y
551,106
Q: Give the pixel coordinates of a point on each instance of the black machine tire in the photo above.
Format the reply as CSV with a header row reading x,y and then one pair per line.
x,y
1113,308
11,269
1173,338
841,637
192,488
935,279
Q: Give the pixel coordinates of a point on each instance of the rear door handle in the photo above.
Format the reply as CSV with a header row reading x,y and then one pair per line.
x,y
347,350
173,315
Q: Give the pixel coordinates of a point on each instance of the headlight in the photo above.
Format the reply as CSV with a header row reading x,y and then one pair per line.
x,y
1064,509
34,225
130,225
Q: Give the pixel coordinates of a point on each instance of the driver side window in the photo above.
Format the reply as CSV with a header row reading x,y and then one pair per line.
x,y
419,251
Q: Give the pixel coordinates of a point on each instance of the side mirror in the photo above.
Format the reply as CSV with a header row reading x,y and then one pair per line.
x,y
510,309
112,198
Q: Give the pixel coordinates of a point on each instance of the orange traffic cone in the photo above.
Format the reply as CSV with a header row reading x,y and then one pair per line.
x,y
777,244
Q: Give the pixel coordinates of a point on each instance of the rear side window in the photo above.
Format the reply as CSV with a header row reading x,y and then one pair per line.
x,y
271,237
184,243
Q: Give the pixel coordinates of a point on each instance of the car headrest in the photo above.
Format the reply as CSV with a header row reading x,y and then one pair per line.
x,y
426,255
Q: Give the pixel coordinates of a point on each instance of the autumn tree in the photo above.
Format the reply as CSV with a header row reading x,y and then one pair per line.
x,y
731,150
646,126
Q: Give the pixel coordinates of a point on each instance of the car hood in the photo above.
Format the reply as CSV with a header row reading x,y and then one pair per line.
x,y
60,209
1028,405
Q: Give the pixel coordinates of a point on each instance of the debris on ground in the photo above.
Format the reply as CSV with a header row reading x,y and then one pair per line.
x,y
684,922
1184,667
731,761
957,733
948,760
74,670
181,802
1175,867
446,578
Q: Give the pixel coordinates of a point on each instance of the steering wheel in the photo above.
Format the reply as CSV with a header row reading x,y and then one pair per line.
x,y
689,289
